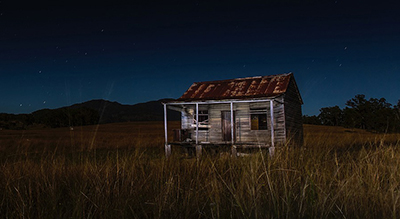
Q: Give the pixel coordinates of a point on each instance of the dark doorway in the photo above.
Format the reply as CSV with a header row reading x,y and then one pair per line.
x,y
226,125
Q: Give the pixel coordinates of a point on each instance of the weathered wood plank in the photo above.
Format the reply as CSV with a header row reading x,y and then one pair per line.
x,y
242,121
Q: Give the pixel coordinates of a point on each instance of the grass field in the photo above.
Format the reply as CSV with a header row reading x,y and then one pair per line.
x,y
119,171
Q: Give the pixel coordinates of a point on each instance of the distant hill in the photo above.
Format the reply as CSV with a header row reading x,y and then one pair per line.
x,y
89,113
111,112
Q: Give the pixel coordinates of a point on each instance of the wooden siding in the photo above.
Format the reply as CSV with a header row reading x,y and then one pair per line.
x,y
214,117
242,123
293,115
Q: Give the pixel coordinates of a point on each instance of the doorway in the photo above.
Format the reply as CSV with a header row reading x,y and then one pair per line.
x,y
227,126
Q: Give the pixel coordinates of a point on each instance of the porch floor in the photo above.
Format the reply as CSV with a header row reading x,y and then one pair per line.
x,y
221,144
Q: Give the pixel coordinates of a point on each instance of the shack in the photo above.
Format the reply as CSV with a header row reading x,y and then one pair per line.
x,y
251,112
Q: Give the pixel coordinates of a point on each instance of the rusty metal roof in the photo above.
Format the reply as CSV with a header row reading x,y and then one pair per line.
x,y
240,88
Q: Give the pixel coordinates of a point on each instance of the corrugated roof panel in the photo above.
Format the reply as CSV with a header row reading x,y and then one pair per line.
x,y
238,88
252,88
263,86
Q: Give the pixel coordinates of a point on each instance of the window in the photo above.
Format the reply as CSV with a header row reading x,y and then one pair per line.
x,y
258,118
203,120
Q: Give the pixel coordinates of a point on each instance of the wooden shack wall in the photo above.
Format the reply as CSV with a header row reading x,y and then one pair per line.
x,y
293,115
243,132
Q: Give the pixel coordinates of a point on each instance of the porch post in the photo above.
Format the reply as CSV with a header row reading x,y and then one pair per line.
x,y
197,123
167,146
271,108
232,124
198,147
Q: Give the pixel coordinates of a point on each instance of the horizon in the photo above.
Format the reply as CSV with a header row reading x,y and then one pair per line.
x,y
159,100
110,101
59,54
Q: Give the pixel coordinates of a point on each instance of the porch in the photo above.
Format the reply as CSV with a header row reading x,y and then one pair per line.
x,y
222,125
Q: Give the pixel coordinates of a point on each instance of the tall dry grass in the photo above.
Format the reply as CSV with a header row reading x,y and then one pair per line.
x,y
337,174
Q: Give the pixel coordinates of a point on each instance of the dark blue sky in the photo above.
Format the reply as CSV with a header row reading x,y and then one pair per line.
x,y
61,53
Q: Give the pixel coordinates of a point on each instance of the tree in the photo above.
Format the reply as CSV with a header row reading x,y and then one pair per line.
x,y
312,120
332,116
373,114
64,117
396,112
359,113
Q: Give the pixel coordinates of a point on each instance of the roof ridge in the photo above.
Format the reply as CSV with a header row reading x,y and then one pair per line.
x,y
241,79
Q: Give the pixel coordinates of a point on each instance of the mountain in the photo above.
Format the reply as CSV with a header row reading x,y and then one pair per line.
x,y
111,112
89,113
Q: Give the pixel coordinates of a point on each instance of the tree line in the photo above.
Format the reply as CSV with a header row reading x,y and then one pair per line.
x,y
62,117
370,114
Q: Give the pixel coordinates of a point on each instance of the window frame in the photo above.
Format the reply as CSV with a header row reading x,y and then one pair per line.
x,y
204,123
259,112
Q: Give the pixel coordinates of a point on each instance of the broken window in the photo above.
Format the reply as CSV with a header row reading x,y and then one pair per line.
x,y
258,118
203,120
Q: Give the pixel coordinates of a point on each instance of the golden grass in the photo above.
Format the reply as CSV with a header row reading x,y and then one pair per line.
x,y
119,171
119,135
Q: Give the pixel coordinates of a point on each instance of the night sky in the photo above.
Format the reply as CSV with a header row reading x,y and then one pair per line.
x,y
61,53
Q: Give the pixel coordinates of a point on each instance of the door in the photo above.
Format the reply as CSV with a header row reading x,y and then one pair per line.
x,y
226,125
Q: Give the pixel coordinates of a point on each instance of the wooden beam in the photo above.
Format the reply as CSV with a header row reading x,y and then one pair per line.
x,y
178,109
234,151
165,124
197,123
222,101
232,124
199,149
271,151
271,108
167,146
